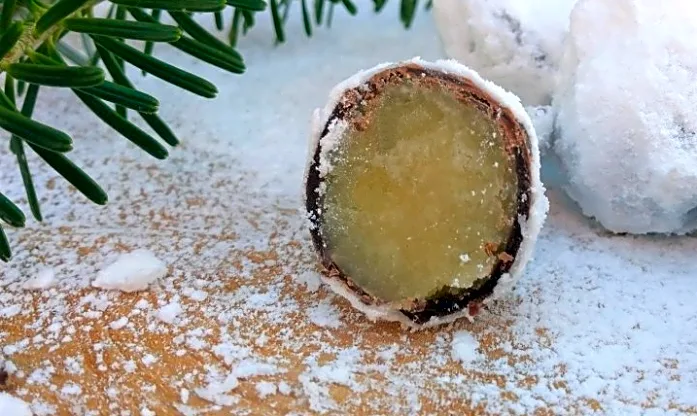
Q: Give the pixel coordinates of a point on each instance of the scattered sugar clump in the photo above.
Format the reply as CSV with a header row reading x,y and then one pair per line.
x,y
626,119
217,391
46,278
10,311
119,323
514,43
464,347
169,312
325,315
146,412
284,388
131,272
10,405
310,279
195,294
266,388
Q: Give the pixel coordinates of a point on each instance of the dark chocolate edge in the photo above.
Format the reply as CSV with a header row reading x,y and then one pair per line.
x,y
445,304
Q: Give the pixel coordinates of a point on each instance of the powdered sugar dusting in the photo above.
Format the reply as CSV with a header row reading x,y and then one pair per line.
x,y
325,314
597,323
169,312
44,279
464,347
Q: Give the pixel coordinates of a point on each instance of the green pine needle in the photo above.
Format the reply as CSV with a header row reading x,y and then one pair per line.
x,y
380,4
149,46
125,96
175,5
34,132
219,21
248,21
407,12
319,11
307,22
350,7
10,213
8,10
277,22
17,147
59,11
10,37
21,87
153,32
5,251
251,5
73,174
234,34
57,76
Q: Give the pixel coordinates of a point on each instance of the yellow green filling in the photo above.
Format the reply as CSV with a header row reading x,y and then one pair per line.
x,y
413,200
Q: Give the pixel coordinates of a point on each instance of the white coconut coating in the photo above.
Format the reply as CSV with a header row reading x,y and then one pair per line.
x,y
626,114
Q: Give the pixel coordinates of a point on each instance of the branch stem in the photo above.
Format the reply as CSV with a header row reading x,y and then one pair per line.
x,y
29,41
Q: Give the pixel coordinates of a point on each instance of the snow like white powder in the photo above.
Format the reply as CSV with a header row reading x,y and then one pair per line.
x,y
266,388
310,279
217,391
284,388
12,406
464,347
149,359
169,312
197,295
626,116
74,365
131,272
250,368
45,279
10,311
119,323
130,366
325,315
71,389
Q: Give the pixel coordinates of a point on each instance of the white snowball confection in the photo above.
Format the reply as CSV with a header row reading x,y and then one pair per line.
x,y
626,114
515,43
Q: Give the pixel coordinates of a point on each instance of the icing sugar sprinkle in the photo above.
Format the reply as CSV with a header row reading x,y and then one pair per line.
x,y
131,272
